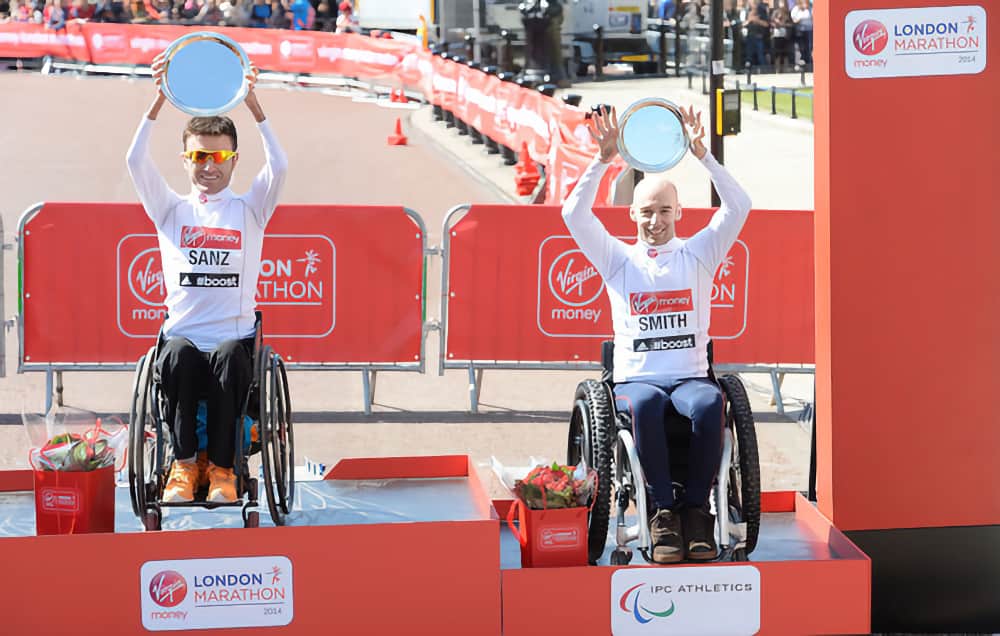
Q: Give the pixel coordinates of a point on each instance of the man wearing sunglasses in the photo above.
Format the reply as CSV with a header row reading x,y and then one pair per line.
x,y
210,249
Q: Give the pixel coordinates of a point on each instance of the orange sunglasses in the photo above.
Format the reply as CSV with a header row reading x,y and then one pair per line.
x,y
217,156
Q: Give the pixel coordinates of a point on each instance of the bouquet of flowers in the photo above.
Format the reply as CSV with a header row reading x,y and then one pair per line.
x,y
557,486
68,439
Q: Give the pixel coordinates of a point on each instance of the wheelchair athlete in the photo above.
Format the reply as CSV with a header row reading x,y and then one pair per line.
x,y
210,248
660,292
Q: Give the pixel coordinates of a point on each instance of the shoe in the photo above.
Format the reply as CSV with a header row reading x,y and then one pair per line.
x,y
699,528
202,462
667,536
221,484
180,484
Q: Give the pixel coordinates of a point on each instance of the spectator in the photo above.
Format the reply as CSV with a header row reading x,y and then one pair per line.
x,y
782,29
210,14
279,15
57,17
803,20
300,10
346,22
758,27
732,28
110,11
236,12
21,12
324,17
666,9
260,13
81,10
4,10
186,11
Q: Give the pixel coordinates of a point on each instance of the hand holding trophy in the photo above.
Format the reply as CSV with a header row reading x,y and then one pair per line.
x,y
205,73
652,135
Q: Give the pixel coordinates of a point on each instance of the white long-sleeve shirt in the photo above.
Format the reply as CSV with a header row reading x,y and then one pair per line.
x,y
660,296
210,246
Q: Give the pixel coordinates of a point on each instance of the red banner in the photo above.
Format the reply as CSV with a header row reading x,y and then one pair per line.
x,y
328,294
521,290
554,133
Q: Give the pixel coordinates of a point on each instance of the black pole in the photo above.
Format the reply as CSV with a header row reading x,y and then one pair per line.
x,y
716,83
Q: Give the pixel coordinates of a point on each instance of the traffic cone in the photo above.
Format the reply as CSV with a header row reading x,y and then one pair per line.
x,y
398,139
526,172
402,98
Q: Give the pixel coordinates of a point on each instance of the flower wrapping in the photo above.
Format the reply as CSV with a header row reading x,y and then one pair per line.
x,y
556,486
68,439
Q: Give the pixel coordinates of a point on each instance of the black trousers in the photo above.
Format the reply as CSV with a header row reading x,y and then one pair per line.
x,y
221,378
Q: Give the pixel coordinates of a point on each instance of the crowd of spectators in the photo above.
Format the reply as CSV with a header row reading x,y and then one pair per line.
x,y
772,34
316,15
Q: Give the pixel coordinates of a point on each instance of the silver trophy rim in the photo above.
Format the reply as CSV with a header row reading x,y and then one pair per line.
x,y
184,41
623,120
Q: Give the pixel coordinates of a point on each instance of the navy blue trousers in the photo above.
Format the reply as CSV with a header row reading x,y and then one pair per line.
x,y
699,400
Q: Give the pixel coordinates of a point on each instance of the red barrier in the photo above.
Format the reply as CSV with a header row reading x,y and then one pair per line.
x,y
507,113
93,287
519,289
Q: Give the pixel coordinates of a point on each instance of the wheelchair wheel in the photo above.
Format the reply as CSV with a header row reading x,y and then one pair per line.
x,y
591,434
275,443
143,467
285,446
744,470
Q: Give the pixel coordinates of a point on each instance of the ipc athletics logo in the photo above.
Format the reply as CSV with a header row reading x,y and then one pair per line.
x,y
870,37
168,588
640,613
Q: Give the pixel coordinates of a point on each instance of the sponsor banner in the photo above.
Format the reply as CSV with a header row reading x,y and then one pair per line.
x,y
512,267
555,133
118,288
687,600
216,593
915,42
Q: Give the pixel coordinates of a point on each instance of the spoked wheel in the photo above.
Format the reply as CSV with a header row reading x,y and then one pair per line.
x,y
283,442
274,440
143,464
744,468
591,430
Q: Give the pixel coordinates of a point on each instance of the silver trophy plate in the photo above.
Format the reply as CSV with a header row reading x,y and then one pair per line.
x,y
205,73
652,136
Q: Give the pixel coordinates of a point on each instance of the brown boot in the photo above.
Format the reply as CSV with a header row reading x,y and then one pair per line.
x,y
699,528
667,536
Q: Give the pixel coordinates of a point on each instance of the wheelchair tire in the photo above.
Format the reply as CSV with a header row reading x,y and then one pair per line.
x,y
140,464
277,440
591,434
745,472
268,415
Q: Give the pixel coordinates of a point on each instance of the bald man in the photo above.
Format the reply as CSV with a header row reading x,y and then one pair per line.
x,y
660,290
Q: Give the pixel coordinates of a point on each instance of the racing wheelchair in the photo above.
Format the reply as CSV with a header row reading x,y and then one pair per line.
x,y
602,436
264,426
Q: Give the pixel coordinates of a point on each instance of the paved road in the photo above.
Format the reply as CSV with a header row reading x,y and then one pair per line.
x,y
66,138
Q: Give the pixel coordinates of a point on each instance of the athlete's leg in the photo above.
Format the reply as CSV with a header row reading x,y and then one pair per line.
x,y
183,373
700,400
647,404
231,370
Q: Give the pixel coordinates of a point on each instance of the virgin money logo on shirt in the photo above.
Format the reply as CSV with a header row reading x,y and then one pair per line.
x,y
210,238
659,302
571,299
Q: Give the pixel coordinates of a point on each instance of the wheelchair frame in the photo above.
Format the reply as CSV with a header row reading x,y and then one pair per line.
x,y
602,436
151,450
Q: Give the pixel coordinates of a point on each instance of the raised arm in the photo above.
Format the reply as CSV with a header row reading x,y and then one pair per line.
x,y
267,185
711,244
154,193
604,251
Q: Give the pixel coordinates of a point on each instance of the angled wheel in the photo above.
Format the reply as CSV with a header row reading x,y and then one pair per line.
x,y
283,442
269,408
142,455
591,431
744,470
